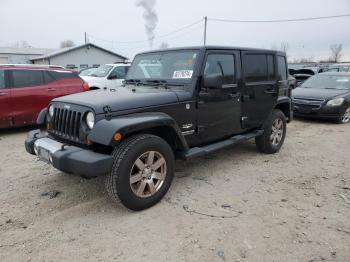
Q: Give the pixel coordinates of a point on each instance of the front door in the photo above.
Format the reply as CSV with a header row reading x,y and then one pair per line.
x,y
219,106
261,89
5,101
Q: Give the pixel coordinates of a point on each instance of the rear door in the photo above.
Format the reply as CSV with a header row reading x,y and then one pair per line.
x,y
219,108
66,82
261,89
5,101
30,94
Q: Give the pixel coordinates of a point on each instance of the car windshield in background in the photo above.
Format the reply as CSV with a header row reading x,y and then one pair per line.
x,y
101,71
168,65
327,82
87,72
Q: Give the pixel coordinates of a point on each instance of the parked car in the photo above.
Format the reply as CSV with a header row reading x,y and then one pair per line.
x,y
106,76
86,71
325,95
26,90
338,68
302,74
195,101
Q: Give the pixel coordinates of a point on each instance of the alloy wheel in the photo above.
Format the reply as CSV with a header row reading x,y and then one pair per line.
x,y
148,174
276,132
346,117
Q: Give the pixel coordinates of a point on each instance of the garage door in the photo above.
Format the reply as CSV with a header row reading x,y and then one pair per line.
x,y
3,60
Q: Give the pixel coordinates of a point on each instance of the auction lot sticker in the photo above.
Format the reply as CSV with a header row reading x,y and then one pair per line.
x,y
183,74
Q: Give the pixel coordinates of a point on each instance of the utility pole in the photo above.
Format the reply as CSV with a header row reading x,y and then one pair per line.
x,y
205,30
85,38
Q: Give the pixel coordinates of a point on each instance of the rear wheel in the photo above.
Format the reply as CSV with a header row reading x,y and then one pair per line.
x,y
345,118
274,133
142,171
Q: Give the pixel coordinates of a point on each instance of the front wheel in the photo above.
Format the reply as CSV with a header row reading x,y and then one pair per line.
x,y
274,133
142,171
345,118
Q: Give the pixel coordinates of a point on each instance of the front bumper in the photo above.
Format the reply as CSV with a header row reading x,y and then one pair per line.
x,y
67,158
324,112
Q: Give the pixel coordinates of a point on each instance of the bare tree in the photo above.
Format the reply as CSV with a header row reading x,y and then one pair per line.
x,y
67,43
336,52
163,45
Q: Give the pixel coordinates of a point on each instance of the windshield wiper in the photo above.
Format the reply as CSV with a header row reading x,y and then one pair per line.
x,y
132,81
163,83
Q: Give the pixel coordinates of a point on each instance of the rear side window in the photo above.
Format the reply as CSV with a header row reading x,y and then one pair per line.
x,y
218,64
282,67
48,78
27,78
255,68
63,74
2,79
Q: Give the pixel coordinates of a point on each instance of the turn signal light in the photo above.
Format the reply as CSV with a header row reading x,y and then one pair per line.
x,y
86,86
117,137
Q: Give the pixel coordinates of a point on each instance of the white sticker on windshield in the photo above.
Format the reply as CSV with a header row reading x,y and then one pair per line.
x,y
183,74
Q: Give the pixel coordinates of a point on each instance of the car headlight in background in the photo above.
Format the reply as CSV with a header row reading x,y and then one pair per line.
x,y
335,102
90,120
51,110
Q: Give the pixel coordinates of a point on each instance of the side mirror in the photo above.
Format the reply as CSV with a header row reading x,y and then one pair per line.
x,y
213,81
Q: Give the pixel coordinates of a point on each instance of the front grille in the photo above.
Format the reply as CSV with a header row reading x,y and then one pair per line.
x,y
66,123
306,102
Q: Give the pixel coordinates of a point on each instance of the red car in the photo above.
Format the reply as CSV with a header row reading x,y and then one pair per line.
x,y
26,90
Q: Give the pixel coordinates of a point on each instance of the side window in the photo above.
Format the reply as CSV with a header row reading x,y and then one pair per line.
x,y
27,78
48,78
118,73
221,64
95,65
270,67
255,68
282,67
84,65
2,79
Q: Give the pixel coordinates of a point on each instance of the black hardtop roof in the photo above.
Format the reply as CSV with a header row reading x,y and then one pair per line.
x,y
216,47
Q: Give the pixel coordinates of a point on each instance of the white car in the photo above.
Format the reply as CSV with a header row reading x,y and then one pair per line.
x,y
106,76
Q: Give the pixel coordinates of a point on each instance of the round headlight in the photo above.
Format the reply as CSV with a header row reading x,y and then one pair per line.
x,y
90,120
51,110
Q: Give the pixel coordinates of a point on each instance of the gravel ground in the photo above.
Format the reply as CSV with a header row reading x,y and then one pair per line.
x,y
234,205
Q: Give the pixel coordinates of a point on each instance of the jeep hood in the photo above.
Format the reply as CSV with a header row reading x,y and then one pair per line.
x,y
121,98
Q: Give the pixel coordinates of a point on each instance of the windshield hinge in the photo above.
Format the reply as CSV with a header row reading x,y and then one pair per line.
x,y
108,112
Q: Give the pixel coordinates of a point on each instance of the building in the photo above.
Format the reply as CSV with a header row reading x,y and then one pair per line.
x,y
12,55
82,56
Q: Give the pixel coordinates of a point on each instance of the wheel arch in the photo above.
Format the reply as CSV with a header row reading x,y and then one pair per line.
x,y
159,124
285,105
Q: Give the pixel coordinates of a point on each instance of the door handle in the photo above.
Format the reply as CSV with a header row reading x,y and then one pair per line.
x,y
270,91
51,89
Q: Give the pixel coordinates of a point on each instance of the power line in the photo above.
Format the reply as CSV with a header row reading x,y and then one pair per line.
x,y
278,20
145,41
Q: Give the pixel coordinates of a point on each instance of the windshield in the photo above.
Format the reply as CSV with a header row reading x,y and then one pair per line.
x,y
86,72
327,82
101,71
166,65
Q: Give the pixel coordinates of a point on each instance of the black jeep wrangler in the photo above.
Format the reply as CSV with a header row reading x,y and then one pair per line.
x,y
175,103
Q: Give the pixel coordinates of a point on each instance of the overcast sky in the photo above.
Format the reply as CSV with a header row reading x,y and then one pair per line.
x,y
44,23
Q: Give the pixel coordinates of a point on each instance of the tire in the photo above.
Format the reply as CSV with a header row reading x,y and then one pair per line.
x,y
131,181
345,117
271,141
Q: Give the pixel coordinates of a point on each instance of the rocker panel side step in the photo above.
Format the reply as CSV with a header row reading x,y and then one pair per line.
x,y
200,151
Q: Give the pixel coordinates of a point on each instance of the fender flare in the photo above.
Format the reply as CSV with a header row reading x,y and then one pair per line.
x,y
104,130
41,117
283,100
